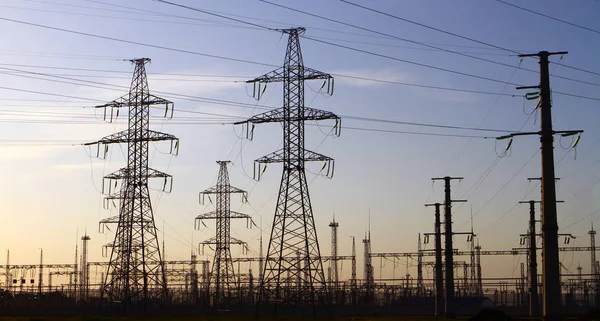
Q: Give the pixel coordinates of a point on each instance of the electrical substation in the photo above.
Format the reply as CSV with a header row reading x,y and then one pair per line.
x,y
290,274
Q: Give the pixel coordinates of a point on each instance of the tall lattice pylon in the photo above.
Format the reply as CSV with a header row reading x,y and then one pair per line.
x,y
135,273
287,278
222,275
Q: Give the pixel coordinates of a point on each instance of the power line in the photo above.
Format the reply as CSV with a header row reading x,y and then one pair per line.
x,y
406,61
410,62
286,24
264,64
425,125
391,82
578,69
122,71
212,24
355,49
549,17
46,93
502,188
432,28
214,14
229,103
391,36
452,34
135,42
411,133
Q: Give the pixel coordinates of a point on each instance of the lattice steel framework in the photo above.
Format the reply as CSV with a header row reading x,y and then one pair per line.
x,y
135,273
420,284
594,267
353,284
85,269
334,250
368,270
222,274
287,278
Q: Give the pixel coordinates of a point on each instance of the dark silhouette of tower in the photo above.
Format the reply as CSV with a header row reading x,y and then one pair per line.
x,y
334,256
85,270
222,274
288,279
135,272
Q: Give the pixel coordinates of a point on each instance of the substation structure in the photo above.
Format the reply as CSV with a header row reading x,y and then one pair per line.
x,y
188,283
579,290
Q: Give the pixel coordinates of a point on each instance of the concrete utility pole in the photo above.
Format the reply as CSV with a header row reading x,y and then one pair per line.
x,y
534,309
439,277
449,259
550,262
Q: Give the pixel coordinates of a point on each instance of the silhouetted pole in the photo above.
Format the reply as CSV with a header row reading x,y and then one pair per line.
x,y
439,277
449,259
534,308
550,262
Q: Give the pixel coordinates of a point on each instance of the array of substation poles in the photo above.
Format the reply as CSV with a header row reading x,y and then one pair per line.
x,y
551,304
444,293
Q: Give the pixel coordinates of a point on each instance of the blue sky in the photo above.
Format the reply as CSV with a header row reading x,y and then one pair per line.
x,y
50,186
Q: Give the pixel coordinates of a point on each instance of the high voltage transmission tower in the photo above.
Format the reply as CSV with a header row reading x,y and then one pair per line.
x,y
135,273
293,268
222,274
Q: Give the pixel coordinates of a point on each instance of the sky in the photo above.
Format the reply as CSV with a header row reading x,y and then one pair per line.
x,y
60,58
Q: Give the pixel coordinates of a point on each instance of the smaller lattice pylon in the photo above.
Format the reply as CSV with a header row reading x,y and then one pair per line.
x,y
222,276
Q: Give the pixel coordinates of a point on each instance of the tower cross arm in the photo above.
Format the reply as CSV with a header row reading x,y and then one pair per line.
x,y
207,216
158,136
297,73
277,157
276,116
228,189
215,215
124,173
234,214
110,220
237,241
125,137
212,240
124,101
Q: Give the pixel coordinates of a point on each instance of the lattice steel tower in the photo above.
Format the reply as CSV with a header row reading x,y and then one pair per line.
x,y
593,269
222,274
293,231
334,256
85,270
135,272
